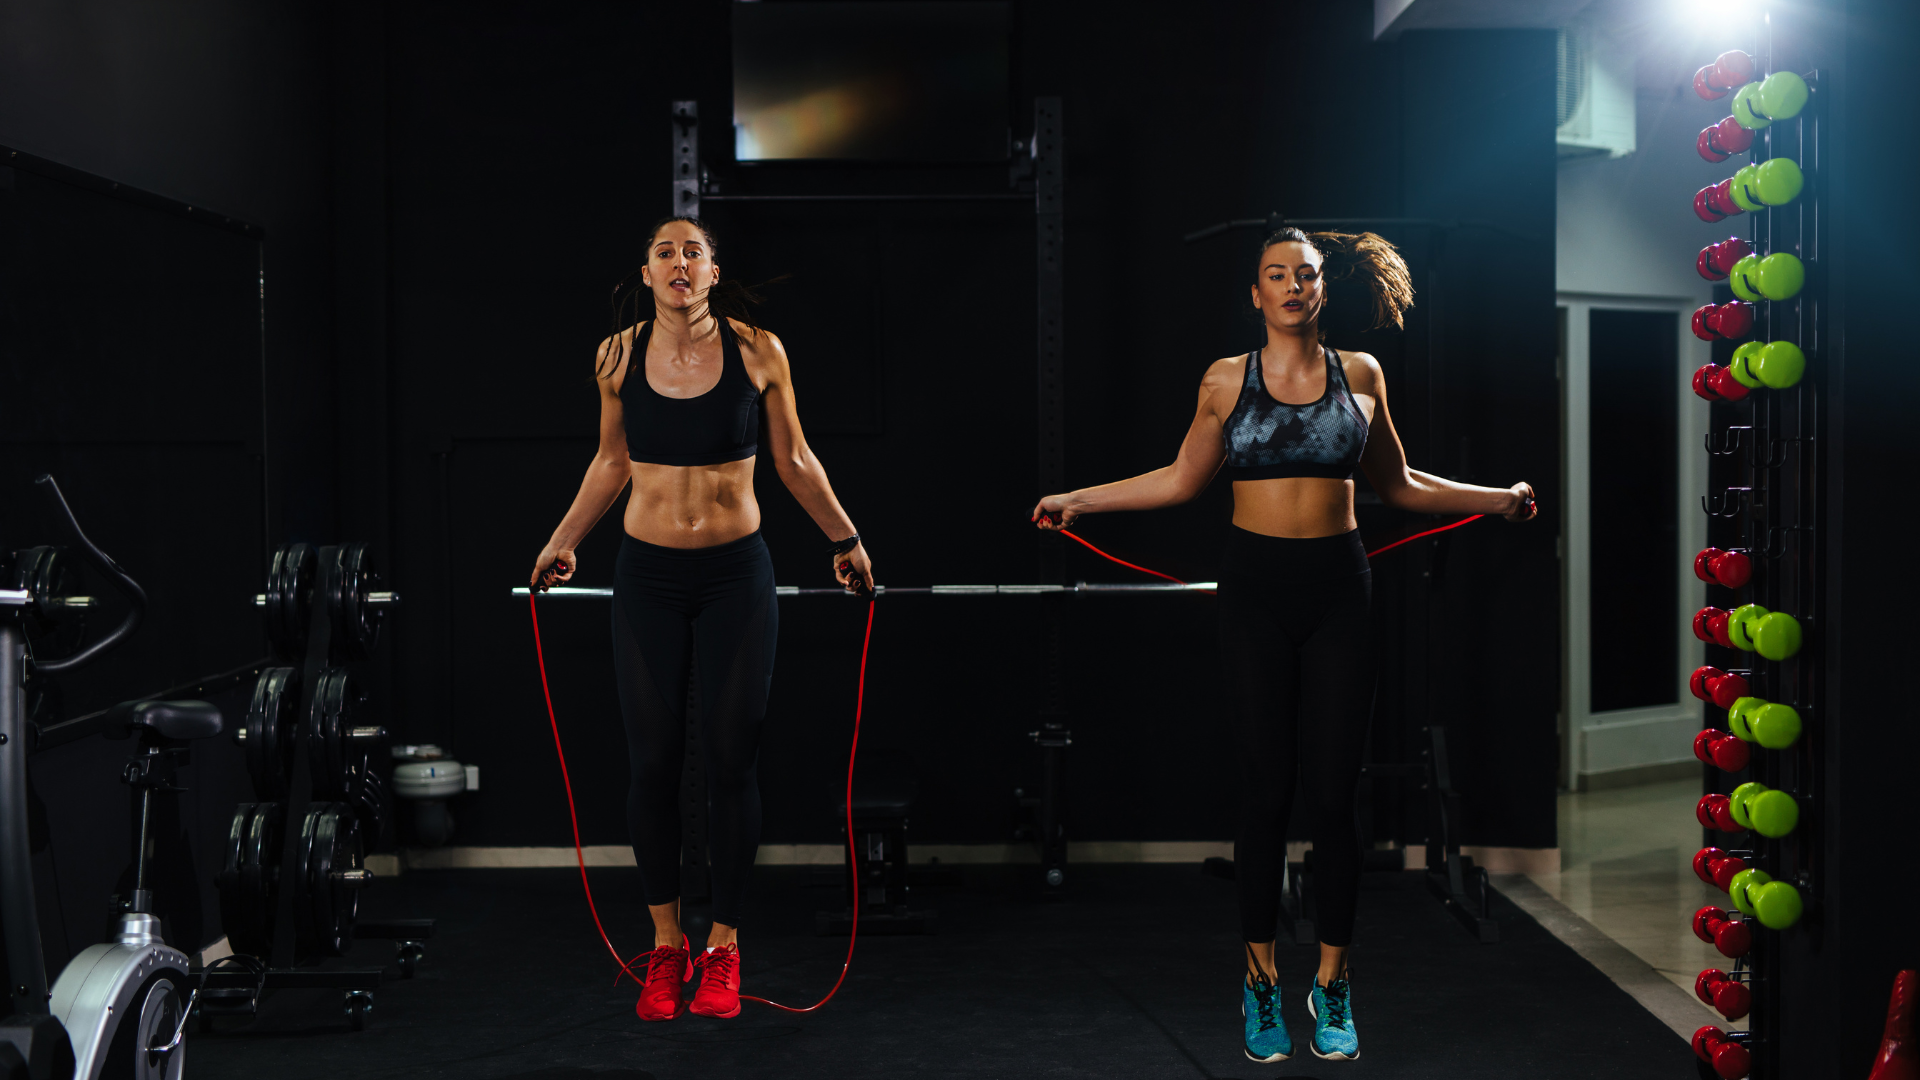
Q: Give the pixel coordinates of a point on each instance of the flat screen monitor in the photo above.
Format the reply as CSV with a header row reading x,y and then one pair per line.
x,y
873,81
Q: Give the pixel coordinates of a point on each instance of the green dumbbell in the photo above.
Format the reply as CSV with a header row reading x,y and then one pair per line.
x,y
1739,279
1775,635
1738,799
1781,96
1778,364
1777,904
1773,813
1774,726
1744,111
1739,890
1737,717
1778,182
1742,189
1780,276
1740,628
1740,364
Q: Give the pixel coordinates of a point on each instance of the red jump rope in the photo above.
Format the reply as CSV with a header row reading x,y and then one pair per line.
x,y
859,704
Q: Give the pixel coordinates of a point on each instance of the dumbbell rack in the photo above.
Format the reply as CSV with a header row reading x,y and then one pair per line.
x,y
1766,497
323,609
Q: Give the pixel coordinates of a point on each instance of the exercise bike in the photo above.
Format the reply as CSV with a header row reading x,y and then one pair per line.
x,y
120,1007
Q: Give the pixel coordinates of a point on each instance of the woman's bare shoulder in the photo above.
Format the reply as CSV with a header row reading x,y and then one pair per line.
x,y
1362,371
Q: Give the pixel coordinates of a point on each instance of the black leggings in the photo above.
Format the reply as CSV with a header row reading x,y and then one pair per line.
x,y
717,605
1293,624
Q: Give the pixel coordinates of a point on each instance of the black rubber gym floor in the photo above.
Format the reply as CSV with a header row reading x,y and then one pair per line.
x,y
1135,976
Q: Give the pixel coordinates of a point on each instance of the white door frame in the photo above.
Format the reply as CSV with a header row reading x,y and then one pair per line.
x,y
1626,739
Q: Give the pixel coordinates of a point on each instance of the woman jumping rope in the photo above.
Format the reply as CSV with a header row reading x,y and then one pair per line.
x,y
683,379
1290,421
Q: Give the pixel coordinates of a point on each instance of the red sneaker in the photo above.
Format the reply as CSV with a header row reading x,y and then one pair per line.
x,y
719,993
667,971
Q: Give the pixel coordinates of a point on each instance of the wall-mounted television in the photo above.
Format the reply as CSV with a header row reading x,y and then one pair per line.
x,y
913,80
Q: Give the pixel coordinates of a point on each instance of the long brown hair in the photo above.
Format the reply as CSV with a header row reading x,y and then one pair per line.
x,y
725,299
1369,254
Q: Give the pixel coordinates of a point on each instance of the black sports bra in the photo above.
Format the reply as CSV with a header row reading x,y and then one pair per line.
x,y
720,425
1268,439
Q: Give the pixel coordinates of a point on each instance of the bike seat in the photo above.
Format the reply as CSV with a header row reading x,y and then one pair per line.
x,y
181,720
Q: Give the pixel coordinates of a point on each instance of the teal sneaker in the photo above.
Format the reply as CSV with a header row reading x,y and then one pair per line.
x,y
1267,1038
1331,1007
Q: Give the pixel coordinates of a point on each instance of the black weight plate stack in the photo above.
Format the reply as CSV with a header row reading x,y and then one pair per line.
x,y
331,853
289,592
235,910
268,731
356,622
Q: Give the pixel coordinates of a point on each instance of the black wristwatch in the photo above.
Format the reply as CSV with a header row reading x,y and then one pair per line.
x,y
841,547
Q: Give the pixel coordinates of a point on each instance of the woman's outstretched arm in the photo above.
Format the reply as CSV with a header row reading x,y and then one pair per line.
x,y
795,462
1200,457
606,478
1404,488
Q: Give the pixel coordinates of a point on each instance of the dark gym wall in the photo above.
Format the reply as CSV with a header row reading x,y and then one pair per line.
x,y
527,157
218,104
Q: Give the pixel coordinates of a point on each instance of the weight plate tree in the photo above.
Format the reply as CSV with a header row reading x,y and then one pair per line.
x,y
295,858
1762,680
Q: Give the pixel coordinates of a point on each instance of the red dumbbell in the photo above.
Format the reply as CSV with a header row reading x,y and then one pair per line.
x,y
1730,1060
1703,745
1723,750
1716,867
1730,70
1703,145
1728,137
1733,319
1698,682
1701,388
1724,386
1704,210
1723,255
1728,997
1726,690
1702,563
1723,931
1706,89
1704,632
1700,328
1731,568
1716,812
1703,860
1703,264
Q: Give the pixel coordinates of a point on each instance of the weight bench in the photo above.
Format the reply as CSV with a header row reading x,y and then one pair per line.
x,y
882,800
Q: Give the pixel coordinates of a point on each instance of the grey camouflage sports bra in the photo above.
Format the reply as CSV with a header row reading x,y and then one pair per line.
x,y
1268,439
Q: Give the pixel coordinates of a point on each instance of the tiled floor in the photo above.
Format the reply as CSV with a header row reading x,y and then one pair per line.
x,y
1626,867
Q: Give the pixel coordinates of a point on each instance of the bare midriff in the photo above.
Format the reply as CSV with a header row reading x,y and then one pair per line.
x,y
692,506
1297,507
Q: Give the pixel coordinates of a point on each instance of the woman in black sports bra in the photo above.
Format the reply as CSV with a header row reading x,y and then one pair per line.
x,y
680,402
1290,421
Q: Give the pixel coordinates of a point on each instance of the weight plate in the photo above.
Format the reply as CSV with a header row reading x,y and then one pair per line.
x,y
269,731
356,622
289,592
260,878
337,759
330,845
235,910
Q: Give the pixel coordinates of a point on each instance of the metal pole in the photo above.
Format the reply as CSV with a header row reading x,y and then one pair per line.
x,y
26,965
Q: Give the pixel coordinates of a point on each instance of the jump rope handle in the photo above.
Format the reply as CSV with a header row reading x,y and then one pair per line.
x,y
860,586
557,567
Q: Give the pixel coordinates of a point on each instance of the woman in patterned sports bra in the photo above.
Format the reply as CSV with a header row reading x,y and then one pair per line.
x,y
1290,421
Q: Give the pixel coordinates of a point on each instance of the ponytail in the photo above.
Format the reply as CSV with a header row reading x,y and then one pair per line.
x,y
725,299
1368,254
